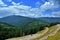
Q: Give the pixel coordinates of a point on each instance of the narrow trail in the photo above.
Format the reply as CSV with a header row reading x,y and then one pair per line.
x,y
51,34
29,37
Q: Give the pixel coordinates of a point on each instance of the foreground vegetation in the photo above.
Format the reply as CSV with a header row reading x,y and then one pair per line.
x,y
51,29
55,37
9,31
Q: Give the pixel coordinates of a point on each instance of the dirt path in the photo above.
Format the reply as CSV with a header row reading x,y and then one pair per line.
x,y
29,37
52,34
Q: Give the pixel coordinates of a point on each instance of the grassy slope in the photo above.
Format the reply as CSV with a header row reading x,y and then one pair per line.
x,y
55,37
51,29
42,31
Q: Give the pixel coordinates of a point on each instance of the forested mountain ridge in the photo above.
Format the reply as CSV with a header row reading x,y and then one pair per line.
x,y
20,20
10,31
16,20
11,26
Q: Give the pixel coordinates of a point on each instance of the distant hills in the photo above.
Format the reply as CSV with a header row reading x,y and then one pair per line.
x,y
50,19
16,20
20,20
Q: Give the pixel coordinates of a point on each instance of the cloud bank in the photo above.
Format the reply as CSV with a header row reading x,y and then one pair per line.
x,y
28,11
2,3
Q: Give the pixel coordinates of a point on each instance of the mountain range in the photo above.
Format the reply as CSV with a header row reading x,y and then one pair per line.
x,y
20,20
50,19
16,20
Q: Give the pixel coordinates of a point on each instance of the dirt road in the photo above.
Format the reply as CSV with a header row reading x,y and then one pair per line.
x,y
51,34
29,37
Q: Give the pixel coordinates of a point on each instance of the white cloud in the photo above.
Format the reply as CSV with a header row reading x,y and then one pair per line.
x,y
56,2
15,10
48,15
22,10
2,3
56,13
15,3
47,6
37,4
10,0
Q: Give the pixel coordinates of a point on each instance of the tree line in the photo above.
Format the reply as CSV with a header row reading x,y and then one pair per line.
x,y
8,31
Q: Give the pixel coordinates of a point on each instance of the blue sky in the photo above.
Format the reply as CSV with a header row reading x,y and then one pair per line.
x,y
32,3
30,8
